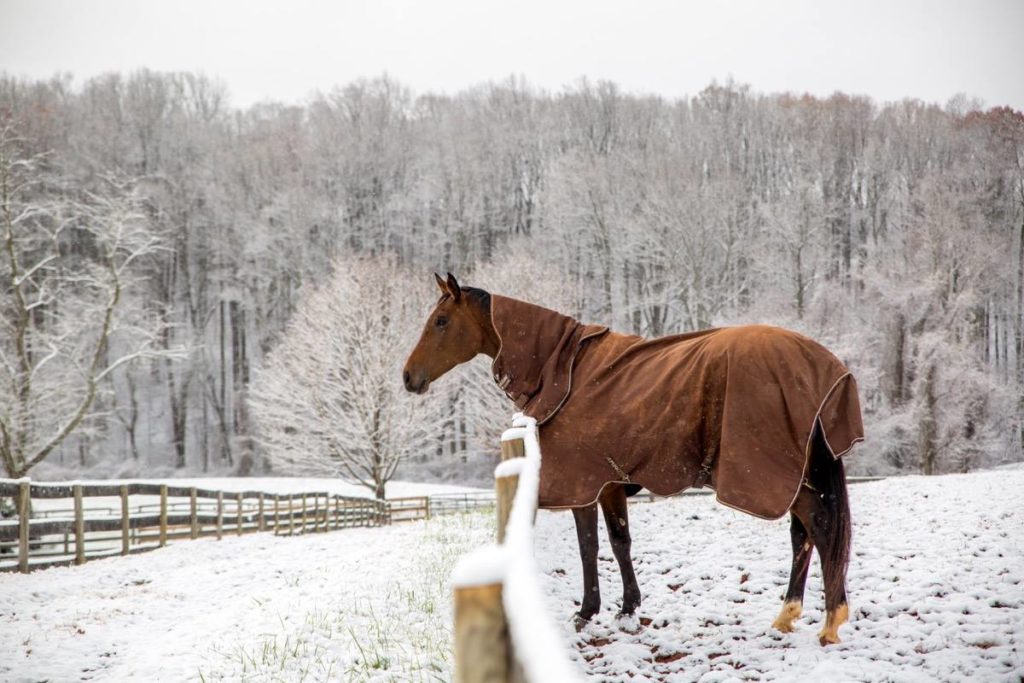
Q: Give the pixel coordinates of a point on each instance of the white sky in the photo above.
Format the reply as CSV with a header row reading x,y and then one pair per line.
x,y
888,49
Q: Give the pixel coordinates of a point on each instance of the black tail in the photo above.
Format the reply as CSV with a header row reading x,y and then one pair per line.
x,y
829,478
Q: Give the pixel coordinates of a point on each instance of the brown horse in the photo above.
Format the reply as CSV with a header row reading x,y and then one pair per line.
x,y
698,443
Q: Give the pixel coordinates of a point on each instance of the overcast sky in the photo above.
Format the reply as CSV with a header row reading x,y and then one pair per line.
x,y
888,49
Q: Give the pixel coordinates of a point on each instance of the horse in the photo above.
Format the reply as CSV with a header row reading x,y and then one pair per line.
x,y
552,365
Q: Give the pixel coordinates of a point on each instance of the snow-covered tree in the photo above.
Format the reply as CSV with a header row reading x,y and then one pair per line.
x,y
329,399
67,273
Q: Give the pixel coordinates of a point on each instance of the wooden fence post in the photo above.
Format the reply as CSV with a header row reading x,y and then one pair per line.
x,y
193,512
426,504
482,653
316,512
263,522
163,515
505,487
220,515
291,514
303,527
238,513
24,526
126,522
277,514
79,525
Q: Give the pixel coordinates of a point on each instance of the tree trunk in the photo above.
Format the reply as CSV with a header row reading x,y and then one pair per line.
x,y
928,435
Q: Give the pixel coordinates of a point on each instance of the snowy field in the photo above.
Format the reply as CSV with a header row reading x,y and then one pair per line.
x,y
936,588
936,593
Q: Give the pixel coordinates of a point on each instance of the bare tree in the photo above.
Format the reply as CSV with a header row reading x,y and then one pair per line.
x,y
66,274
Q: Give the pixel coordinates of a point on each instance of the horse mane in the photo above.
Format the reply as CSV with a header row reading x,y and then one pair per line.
x,y
480,297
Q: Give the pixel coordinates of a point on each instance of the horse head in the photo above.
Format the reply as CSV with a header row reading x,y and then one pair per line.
x,y
457,330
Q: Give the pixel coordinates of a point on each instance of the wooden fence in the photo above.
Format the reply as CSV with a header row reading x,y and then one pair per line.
x,y
103,520
502,631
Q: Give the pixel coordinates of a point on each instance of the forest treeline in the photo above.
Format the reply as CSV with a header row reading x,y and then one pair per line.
x,y
893,233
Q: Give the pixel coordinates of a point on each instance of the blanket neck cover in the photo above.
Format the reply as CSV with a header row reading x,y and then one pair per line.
x,y
740,401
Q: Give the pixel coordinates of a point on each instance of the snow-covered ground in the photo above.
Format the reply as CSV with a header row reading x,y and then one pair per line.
x,y
357,604
936,591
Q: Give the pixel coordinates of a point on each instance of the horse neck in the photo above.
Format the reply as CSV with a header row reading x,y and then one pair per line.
x,y
540,320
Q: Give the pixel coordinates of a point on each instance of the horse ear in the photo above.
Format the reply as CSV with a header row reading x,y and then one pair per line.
x,y
453,288
441,283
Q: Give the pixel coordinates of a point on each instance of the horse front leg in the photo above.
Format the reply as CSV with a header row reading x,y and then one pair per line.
x,y
616,518
586,534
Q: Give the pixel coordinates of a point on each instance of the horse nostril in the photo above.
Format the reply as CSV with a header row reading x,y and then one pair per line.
x,y
407,380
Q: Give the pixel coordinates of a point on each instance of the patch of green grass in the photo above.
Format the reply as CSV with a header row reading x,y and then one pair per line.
x,y
399,633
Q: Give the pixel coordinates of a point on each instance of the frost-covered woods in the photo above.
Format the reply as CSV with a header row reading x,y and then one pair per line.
x,y
890,232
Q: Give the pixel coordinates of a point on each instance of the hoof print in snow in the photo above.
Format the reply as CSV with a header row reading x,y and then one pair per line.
x,y
628,623
668,658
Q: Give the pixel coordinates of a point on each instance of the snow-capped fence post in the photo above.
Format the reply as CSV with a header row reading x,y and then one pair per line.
x,y
24,511
125,520
505,484
193,512
163,515
481,635
262,520
76,491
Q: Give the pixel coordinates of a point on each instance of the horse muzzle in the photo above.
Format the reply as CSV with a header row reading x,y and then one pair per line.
x,y
417,385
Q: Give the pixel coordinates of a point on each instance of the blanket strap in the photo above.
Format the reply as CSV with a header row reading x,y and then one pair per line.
x,y
705,471
618,470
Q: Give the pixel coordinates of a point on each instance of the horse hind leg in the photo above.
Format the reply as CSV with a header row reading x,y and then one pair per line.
x,y
825,512
792,605
614,506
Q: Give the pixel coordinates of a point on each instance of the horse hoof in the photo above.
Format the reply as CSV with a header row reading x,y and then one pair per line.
x,y
790,612
827,637
579,622
783,626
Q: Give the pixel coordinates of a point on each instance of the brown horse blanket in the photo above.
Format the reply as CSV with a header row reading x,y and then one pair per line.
x,y
732,408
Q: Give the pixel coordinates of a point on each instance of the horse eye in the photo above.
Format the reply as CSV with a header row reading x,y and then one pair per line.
x,y
441,321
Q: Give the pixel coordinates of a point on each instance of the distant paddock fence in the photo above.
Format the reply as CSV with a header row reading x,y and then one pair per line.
x,y
411,508
114,519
